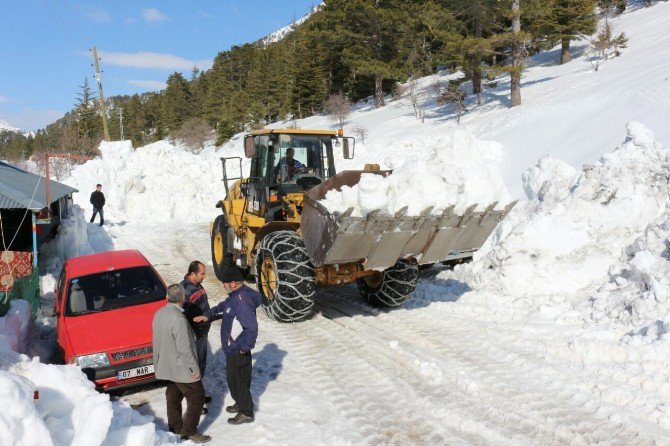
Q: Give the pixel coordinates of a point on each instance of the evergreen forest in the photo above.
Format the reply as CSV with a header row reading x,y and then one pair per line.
x,y
362,49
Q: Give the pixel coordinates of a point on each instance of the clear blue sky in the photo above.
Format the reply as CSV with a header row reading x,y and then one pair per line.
x,y
44,46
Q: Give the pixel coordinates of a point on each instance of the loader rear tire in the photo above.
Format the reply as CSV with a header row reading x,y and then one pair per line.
x,y
285,277
222,259
392,287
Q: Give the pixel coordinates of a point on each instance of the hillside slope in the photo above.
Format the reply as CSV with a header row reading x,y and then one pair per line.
x,y
569,111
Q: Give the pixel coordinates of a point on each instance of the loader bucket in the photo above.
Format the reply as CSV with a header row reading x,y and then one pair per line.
x,y
379,240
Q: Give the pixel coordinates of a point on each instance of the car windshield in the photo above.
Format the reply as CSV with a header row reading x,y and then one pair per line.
x,y
113,289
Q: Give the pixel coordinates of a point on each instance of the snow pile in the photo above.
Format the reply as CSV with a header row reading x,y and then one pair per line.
x,y
155,183
566,238
554,175
638,292
68,409
22,424
457,169
76,237
15,327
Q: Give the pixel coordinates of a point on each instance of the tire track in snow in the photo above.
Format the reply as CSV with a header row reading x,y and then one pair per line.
x,y
550,418
362,388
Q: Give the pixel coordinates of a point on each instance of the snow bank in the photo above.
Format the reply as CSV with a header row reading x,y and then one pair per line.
x,y
76,237
638,291
68,411
15,327
155,183
457,170
566,238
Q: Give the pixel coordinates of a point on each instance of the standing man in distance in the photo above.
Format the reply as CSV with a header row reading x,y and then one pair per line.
x,y
197,304
239,330
98,202
175,361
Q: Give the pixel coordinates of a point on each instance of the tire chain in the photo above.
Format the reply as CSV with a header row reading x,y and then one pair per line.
x,y
296,278
398,285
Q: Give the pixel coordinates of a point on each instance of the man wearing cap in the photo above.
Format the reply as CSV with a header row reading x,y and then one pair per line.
x,y
239,330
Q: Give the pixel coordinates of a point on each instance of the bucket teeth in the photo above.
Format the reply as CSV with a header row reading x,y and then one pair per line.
x,y
426,212
379,239
401,212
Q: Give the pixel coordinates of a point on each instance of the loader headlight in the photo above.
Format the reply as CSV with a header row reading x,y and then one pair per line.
x,y
95,360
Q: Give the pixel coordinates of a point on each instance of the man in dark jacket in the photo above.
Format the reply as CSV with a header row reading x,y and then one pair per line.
x,y
98,202
239,330
197,304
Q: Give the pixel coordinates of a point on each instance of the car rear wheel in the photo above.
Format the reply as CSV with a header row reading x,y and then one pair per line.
x,y
285,277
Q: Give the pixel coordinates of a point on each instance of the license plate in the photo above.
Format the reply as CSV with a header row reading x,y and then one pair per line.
x,y
137,371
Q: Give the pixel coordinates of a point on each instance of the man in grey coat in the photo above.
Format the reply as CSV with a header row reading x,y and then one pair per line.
x,y
175,361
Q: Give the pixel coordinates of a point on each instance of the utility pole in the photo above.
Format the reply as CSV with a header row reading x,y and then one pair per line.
x,y
121,122
103,109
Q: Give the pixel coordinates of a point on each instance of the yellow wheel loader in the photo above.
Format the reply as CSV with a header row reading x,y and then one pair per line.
x,y
274,227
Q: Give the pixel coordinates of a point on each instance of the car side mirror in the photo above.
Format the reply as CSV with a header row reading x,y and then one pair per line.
x,y
249,147
348,145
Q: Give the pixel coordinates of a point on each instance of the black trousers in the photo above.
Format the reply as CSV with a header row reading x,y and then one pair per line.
x,y
97,211
201,353
195,400
238,373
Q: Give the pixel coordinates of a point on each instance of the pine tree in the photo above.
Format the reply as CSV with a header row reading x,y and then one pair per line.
x,y
612,6
480,22
569,20
517,55
371,30
308,78
86,110
135,122
177,104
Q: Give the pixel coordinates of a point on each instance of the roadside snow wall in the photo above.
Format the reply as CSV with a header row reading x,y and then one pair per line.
x,y
594,244
155,183
69,411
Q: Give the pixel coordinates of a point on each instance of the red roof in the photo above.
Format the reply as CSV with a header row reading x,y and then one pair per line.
x,y
104,261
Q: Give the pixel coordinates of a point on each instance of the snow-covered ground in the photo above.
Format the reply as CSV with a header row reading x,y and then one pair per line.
x,y
555,334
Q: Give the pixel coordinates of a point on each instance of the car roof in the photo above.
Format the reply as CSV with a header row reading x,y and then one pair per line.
x,y
294,132
105,261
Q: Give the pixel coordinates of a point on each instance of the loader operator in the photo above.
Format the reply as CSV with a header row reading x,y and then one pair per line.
x,y
288,166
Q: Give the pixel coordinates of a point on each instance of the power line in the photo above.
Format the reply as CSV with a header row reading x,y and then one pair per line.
x,y
76,23
61,26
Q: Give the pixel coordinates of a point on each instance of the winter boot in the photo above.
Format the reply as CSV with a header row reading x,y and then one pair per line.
x,y
197,438
241,418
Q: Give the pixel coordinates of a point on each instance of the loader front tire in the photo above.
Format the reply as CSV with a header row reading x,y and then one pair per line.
x,y
285,277
222,259
391,287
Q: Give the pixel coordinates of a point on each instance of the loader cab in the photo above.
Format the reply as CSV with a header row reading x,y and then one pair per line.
x,y
286,163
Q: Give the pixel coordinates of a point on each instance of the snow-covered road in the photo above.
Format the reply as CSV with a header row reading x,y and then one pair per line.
x,y
431,373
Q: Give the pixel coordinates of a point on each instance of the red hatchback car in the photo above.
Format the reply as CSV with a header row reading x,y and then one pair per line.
x,y
104,305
